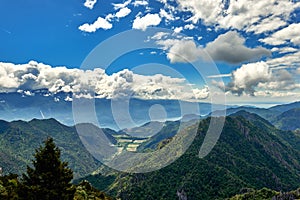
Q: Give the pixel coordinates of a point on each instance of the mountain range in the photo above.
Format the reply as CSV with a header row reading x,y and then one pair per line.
x,y
19,139
285,116
43,105
253,152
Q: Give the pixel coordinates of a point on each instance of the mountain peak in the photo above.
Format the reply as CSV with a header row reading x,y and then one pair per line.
x,y
286,107
252,117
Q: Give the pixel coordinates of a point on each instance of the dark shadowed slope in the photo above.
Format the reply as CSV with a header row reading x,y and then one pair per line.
x,y
18,140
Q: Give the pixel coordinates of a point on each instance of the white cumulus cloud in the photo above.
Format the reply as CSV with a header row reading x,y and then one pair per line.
x,y
230,47
285,35
208,11
257,78
178,29
248,76
167,15
99,23
123,12
267,25
183,50
148,20
189,26
28,78
247,15
286,61
90,3
140,3
118,6
284,50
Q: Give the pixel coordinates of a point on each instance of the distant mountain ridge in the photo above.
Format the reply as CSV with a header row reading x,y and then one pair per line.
x,y
288,120
263,112
286,107
19,106
285,116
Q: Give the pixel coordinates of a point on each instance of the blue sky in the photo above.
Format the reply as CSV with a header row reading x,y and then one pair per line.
x,y
254,45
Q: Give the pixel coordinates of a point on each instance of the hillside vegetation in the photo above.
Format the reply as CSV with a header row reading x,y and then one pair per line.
x,y
251,153
18,139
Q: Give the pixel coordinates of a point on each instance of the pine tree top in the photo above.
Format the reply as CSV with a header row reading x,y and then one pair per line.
x,y
49,174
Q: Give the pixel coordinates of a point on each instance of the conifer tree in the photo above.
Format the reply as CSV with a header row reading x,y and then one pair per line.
x,y
50,178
